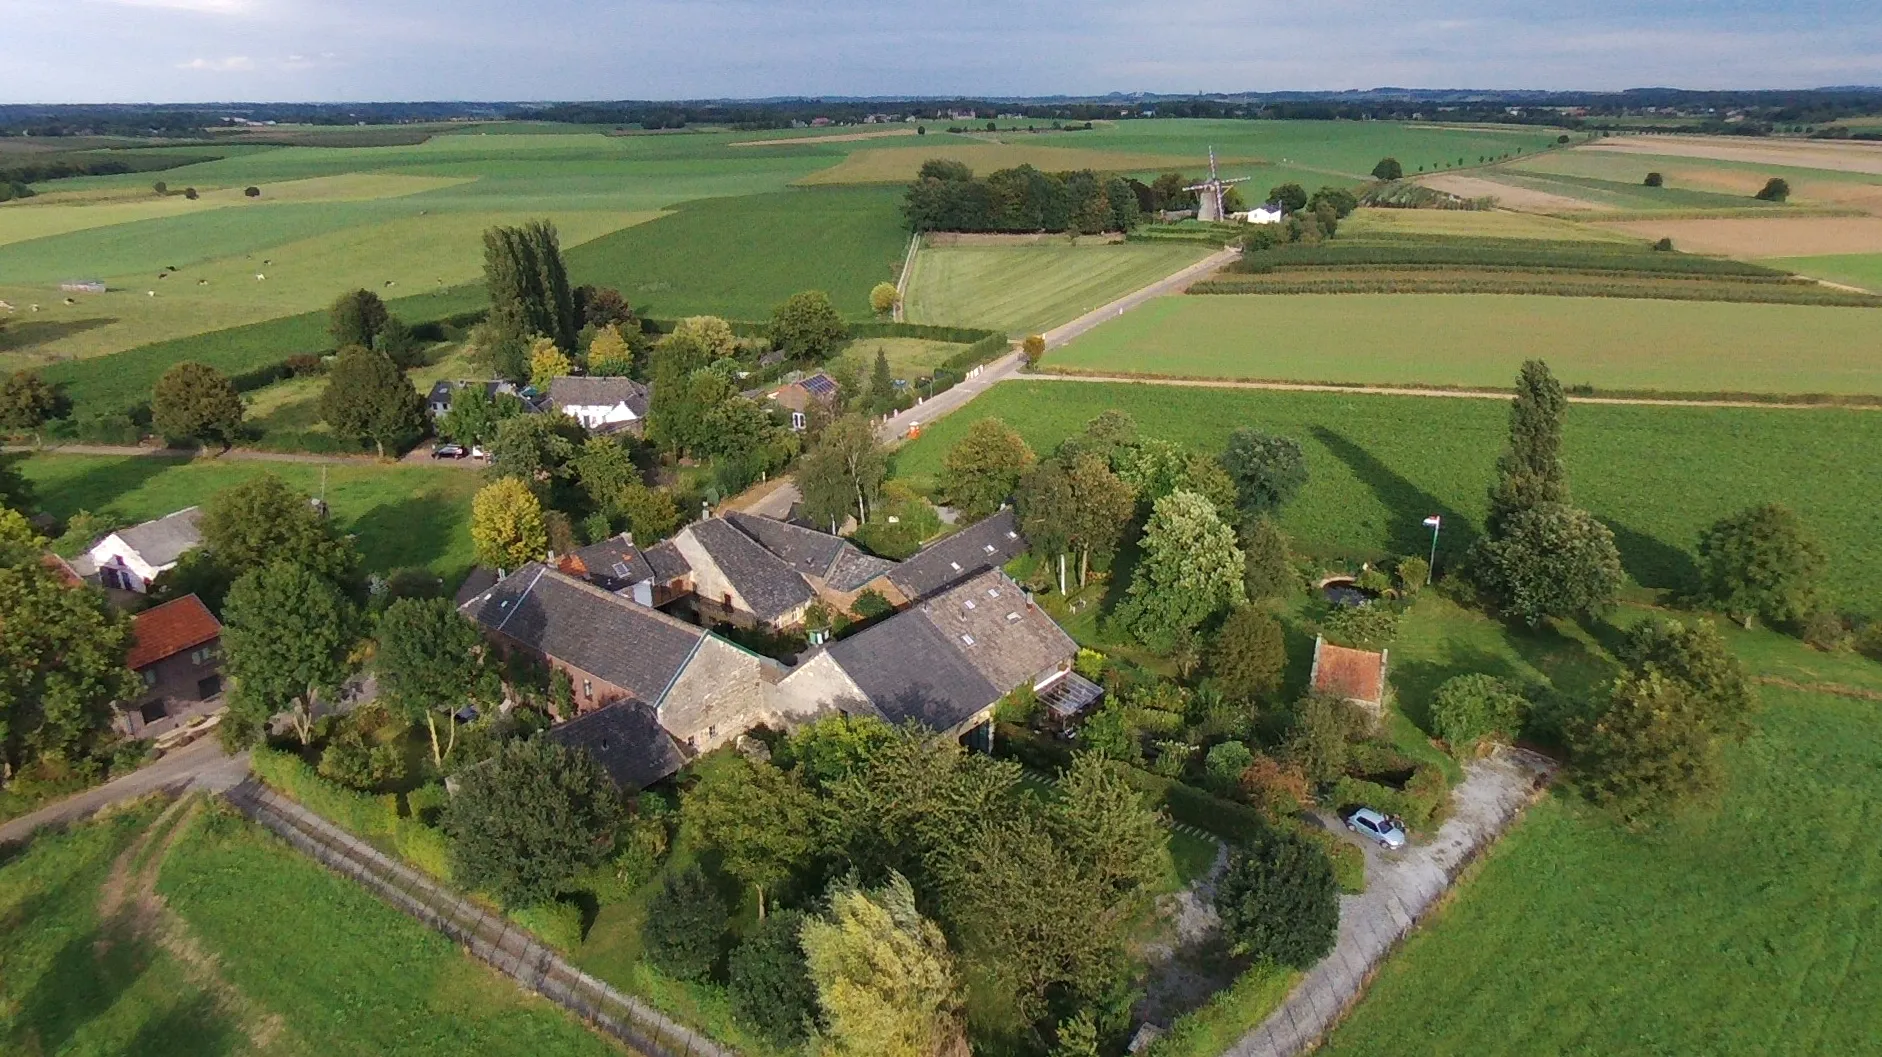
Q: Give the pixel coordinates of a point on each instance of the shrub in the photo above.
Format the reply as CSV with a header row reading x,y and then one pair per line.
x,y
1278,789
686,925
1090,664
557,923
870,604
1034,348
1761,563
1413,574
1868,640
768,982
1776,189
1278,901
1826,631
364,816
1224,765
1654,179
251,192
1469,708
347,762
1665,245
1370,626
1172,758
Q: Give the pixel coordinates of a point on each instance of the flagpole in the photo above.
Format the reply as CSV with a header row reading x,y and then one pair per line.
x,y
1431,570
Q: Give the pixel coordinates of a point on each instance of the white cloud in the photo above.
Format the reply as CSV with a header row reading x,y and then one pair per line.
x,y
232,64
201,7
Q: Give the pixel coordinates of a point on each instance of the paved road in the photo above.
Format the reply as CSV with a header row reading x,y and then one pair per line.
x,y
421,454
1061,335
201,764
1400,889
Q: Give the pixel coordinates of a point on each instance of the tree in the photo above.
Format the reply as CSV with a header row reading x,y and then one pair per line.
x,y
609,354
674,413
1190,571
506,525
194,401
1249,654
650,512
1075,506
984,467
843,472
768,980
1761,563
1693,653
1468,708
398,343
807,326
263,520
1223,765
710,335
27,402
1340,199
1776,189
16,492
251,191
1291,196
1111,834
1654,179
884,975
61,656
686,925
1316,741
1077,1036
882,395
1530,471
356,318
603,306
883,298
1549,561
286,635
1647,749
1388,169
1033,348
528,283
547,363
536,449
370,399
759,818
430,663
1268,471
523,825
501,346
1278,900
1268,566
475,416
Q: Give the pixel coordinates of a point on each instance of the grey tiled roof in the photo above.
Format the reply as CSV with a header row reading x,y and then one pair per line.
x,y
1014,640
635,648
769,586
598,392
666,561
989,544
480,579
164,540
613,564
910,672
626,739
831,558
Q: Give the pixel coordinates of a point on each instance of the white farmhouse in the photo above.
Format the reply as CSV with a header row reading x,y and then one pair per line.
x,y
1269,213
603,405
129,559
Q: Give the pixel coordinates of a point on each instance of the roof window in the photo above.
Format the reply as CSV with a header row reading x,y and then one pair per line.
x,y
620,568
990,549
969,603
1012,618
956,566
968,639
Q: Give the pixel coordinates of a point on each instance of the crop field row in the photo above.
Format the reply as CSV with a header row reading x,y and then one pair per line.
x,y
1413,279
1380,464
1031,289
1387,250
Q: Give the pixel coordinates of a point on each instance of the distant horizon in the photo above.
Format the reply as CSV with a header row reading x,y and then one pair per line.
x,y
201,51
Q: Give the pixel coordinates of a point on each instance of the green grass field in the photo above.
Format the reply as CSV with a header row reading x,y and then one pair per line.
x,y
1346,149
1380,464
404,516
276,957
1481,339
1850,269
1031,289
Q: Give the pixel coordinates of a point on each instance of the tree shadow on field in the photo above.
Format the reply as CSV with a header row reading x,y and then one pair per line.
x,y
1409,504
1653,562
1417,681
192,1028
24,335
408,534
78,984
106,481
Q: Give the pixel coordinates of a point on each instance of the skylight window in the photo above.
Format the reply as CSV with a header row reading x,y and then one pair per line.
x,y
993,592
990,549
956,565
968,639
970,603
620,568
1012,618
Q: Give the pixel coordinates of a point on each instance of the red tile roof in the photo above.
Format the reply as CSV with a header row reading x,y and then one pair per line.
x,y
62,569
169,629
1357,675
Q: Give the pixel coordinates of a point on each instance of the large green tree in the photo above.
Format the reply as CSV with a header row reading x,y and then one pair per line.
x,y
1278,900
760,819
62,653
769,982
806,326
885,977
842,474
1191,570
525,823
984,466
1761,563
686,925
430,662
1648,749
507,528
1529,473
475,415
1268,571
356,318
27,402
536,450
368,398
265,520
1075,506
1549,561
1268,471
1693,653
194,401
286,635
1249,654
528,283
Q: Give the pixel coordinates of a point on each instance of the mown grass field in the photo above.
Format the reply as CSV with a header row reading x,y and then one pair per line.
x,y
404,516
287,958
1380,464
1031,289
1346,149
1850,269
1481,339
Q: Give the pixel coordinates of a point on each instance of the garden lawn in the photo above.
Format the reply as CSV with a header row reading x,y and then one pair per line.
x,y
1031,289
909,358
1378,465
1850,269
344,972
404,516
1480,340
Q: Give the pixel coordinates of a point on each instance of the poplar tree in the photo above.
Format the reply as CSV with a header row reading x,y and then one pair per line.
x,y
528,283
1529,472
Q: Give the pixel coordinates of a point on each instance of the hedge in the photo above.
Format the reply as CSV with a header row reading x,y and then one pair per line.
x,y
1422,803
1349,862
370,817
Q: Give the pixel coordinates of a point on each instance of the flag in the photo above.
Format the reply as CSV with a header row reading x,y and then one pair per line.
x,y
1433,521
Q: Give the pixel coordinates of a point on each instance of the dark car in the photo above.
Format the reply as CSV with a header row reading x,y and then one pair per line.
x,y
449,451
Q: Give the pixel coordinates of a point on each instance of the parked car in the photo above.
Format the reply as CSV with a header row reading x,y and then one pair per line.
x,y
1375,826
448,451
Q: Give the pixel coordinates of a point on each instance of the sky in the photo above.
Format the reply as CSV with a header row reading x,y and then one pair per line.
x,y
54,51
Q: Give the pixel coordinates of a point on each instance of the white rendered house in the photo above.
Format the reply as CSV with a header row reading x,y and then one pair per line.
x,y
129,559
602,405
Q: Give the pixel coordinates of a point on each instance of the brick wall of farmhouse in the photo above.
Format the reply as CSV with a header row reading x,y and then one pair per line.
x,y
817,687
720,695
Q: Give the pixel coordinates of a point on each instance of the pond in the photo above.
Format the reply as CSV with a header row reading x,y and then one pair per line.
x,y
1343,591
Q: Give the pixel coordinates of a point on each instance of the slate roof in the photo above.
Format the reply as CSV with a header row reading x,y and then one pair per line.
x,y
169,629
988,544
614,564
626,739
834,560
1357,675
666,561
480,579
164,540
853,570
951,656
596,391
769,586
635,648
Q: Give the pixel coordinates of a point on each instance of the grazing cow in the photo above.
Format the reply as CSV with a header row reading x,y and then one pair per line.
x,y
163,275
202,282
259,277
71,301
150,293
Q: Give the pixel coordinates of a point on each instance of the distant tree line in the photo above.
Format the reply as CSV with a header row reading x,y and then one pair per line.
x,y
946,196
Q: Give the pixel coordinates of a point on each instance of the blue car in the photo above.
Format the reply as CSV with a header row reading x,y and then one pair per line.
x,y
1374,826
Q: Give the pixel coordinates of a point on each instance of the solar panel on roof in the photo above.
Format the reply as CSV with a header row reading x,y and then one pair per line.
x,y
818,385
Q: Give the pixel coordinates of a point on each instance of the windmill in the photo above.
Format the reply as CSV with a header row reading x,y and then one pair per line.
x,y
1209,198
